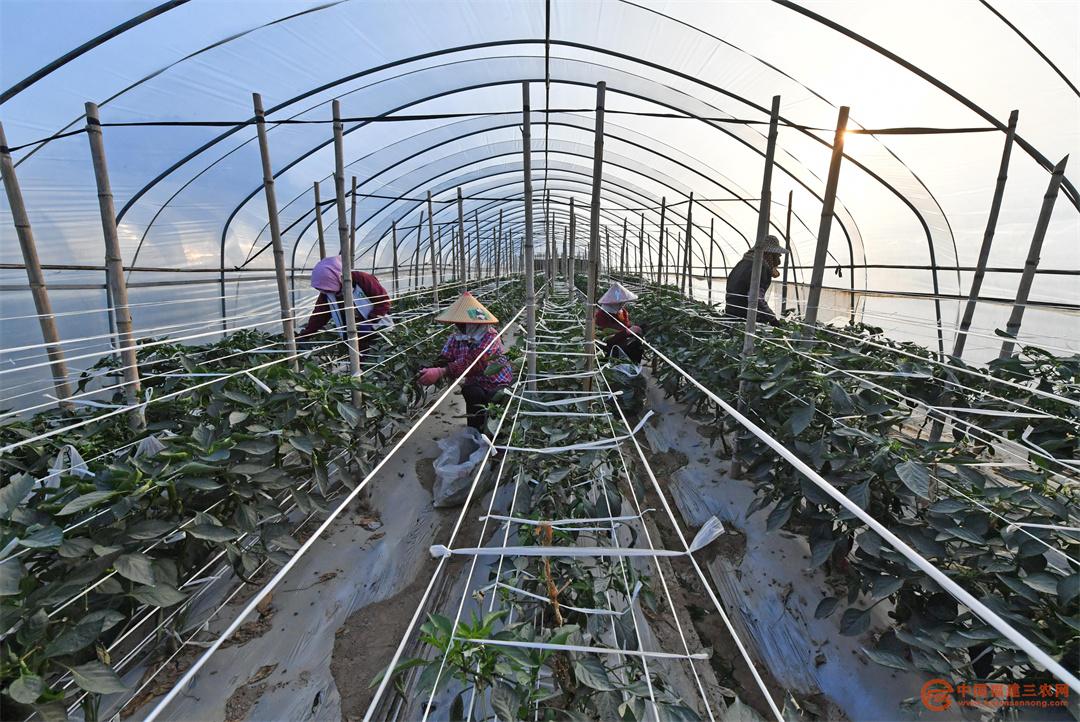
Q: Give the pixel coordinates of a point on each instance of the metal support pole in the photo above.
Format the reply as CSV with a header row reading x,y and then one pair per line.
x,y
319,223
594,236
1032,262
346,248
38,289
275,233
825,228
687,263
462,264
530,267
660,244
787,256
114,268
431,245
988,239
754,291
712,270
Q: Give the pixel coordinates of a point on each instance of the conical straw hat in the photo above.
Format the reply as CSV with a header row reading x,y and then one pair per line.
x,y
618,293
467,310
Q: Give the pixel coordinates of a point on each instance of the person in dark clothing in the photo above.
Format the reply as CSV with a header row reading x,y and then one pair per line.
x,y
738,282
370,300
613,327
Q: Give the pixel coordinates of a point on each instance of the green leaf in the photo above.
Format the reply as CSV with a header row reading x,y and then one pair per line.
x,y
149,529
780,514
11,573
137,567
86,501
349,413
916,477
800,419
826,607
97,677
855,621
47,538
1042,582
75,548
159,595
1068,588
841,400
26,689
591,672
820,550
13,494
505,701
302,443
884,586
860,494
237,417
76,638
887,659
213,533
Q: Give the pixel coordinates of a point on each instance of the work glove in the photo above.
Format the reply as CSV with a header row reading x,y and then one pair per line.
x,y
431,376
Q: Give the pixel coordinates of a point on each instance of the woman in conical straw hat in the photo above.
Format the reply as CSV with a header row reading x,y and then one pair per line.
x,y
738,282
613,327
476,338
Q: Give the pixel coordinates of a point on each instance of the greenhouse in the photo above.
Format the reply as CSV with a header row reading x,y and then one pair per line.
x,y
705,360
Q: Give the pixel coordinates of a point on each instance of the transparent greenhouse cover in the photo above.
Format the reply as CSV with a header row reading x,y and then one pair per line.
x,y
174,90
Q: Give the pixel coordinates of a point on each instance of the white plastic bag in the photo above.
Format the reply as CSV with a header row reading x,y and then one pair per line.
x,y
461,454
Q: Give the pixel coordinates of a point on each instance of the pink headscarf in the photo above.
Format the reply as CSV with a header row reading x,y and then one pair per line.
x,y
326,276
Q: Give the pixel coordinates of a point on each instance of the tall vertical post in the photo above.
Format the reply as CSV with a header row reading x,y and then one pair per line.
x,y
275,232
622,253
431,246
988,239
414,281
754,290
346,248
476,228
687,260
641,251
498,244
787,256
607,250
38,290
712,249
660,243
114,268
594,236
319,223
813,300
1032,262
530,268
393,239
573,242
461,238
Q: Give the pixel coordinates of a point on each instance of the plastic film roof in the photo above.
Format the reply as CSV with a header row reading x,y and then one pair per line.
x,y
911,208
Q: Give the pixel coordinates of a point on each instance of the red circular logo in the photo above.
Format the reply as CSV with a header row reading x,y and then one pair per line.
x,y
937,695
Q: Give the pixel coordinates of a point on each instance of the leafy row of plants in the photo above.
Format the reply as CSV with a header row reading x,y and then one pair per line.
x,y
225,470
517,683
861,435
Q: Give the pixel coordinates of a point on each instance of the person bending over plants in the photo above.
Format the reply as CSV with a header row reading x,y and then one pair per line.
x,y
477,336
370,300
738,282
613,327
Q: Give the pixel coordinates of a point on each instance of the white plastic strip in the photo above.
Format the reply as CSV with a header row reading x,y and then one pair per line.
x,y
582,648
565,522
586,610
606,443
565,401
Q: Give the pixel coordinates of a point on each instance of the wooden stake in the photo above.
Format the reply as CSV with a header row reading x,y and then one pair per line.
x,y
660,241
787,256
114,269
284,301
712,267
393,238
462,264
687,262
573,241
530,268
431,245
476,225
825,228
594,237
622,254
498,244
349,307
988,238
1012,329
38,289
319,223
641,250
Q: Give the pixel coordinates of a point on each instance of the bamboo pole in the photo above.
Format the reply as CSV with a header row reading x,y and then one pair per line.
x,y
431,245
641,250
594,236
530,269
414,280
38,289
825,228
476,225
284,301
687,261
754,291
462,264
393,238
712,268
787,256
346,248
660,242
114,272
1012,329
622,254
498,244
988,238
573,243
319,223
564,266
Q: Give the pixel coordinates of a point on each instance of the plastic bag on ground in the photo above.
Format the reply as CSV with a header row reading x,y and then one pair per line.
x,y
461,454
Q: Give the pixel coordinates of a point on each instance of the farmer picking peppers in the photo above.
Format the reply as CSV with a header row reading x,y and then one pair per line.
x,y
476,338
